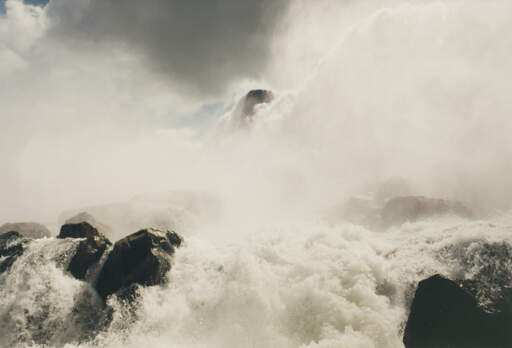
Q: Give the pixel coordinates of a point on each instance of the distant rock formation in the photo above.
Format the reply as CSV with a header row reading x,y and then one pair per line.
x,y
27,229
12,245
412,208
88,251
449,314
141,258
369,211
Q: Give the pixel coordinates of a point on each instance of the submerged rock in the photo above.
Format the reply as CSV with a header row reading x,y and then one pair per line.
x,y
27,229
88,251
141,258
412,208
12,245
447,314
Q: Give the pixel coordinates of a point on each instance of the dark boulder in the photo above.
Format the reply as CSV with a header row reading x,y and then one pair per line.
x,y
412,208
141,258
253,98
86,217
27,229
12,245
448,314
88,251
244,111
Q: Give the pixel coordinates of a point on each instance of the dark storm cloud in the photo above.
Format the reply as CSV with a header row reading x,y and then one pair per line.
x,y
201,44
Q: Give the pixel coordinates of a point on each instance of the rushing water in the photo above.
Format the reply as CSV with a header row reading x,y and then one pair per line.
x,y
406,92
299,285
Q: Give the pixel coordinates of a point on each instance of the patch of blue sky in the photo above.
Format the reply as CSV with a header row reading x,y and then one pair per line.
x,y
41,3
205,116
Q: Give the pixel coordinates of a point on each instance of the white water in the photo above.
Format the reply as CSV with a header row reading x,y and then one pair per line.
x,y
301,285
419,91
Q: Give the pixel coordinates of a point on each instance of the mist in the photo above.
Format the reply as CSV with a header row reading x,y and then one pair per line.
x,y
95,112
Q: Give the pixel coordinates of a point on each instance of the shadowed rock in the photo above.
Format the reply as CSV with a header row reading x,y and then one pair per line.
x,y
253,98
88,251
244,111
27,229
141,258
12,245
447,314
412,208
86,217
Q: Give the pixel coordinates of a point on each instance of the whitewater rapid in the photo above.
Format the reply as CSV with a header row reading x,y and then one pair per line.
x,y
294,285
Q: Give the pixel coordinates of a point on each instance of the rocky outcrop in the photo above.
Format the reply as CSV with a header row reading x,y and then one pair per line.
x,y
141,258
88,251
12,245
86,217
369,212
243,114
255,97
445,313
412,208
27,229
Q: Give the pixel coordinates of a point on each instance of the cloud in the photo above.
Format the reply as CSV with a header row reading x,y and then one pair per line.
x,y
203,46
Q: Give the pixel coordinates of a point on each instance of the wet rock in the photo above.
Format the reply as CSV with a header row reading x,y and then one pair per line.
x,y
88,251
27,229
412,208
12,245
141,258
243,113
86,217
253,98
445,313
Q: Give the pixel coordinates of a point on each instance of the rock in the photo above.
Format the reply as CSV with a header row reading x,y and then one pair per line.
x,y
253,98
12,245
242,115
27,229
86,217
447,314
141,258
88,251
412,208
174,210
